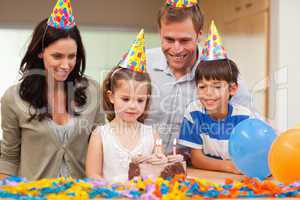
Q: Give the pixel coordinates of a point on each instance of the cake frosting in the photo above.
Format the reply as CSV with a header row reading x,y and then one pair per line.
x,y
157,165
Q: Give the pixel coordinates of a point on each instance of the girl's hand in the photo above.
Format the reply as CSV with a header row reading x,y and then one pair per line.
x,y
157,159
140,158
175,158
159,155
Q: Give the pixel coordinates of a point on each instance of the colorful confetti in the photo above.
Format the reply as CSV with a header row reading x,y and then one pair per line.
x,y
145,188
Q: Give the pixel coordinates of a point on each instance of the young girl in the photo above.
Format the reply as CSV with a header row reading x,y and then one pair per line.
x,y
112,147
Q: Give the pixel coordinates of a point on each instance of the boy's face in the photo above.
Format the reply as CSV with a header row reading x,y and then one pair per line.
x,y
214,95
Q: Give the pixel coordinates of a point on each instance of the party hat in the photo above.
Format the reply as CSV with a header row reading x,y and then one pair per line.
x,y
135,59
213,48
61,16
181,3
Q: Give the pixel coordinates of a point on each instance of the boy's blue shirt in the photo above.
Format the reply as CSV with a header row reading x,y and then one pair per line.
x,y
199,131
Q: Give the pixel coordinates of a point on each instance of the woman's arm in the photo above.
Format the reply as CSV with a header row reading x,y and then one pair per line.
x,y
201,161
11,143
94,160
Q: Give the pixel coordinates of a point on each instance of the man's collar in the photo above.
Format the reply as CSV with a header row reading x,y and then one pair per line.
x,y
162,64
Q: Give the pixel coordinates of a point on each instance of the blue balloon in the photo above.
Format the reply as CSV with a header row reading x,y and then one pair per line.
x,y
249,145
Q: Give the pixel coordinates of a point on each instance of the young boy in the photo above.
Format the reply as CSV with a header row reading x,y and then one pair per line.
x,y
208,122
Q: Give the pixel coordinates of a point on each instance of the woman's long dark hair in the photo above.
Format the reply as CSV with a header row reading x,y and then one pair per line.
x,y
33,87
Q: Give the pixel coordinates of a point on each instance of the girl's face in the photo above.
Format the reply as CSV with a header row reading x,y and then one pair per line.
x,y
60,59
129,99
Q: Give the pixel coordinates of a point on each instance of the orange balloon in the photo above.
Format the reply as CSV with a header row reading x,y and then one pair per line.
x,y
284,157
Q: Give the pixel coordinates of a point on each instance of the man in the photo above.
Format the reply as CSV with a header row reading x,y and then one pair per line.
x,y
172,69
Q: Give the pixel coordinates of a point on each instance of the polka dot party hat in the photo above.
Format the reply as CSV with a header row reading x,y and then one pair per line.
x,y
181,3
135,59
61,16
213,48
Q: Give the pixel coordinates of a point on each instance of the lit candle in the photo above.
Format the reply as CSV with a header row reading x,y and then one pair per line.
x,y
160,146
156,146
174,146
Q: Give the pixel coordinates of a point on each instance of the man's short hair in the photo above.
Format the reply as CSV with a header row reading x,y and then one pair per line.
x,y
169,14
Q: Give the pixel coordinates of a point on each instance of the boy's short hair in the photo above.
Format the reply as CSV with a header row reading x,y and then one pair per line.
x,y
224,69
170,14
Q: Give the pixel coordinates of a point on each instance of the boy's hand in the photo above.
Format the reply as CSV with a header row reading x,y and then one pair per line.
x,y
232,168
186,153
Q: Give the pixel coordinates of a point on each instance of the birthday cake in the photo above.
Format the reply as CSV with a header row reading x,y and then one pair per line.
x,y
165,167
157,164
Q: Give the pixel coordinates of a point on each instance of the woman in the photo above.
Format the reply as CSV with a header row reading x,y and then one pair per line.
x,y
47,118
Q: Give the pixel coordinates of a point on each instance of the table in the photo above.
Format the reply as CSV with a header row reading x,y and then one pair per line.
x,y
217,177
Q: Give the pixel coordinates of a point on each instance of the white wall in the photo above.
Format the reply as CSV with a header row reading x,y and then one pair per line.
x,y
104,48
251,66
285,66
13,46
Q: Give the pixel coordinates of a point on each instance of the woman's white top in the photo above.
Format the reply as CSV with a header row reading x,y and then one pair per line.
x,y
116,158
